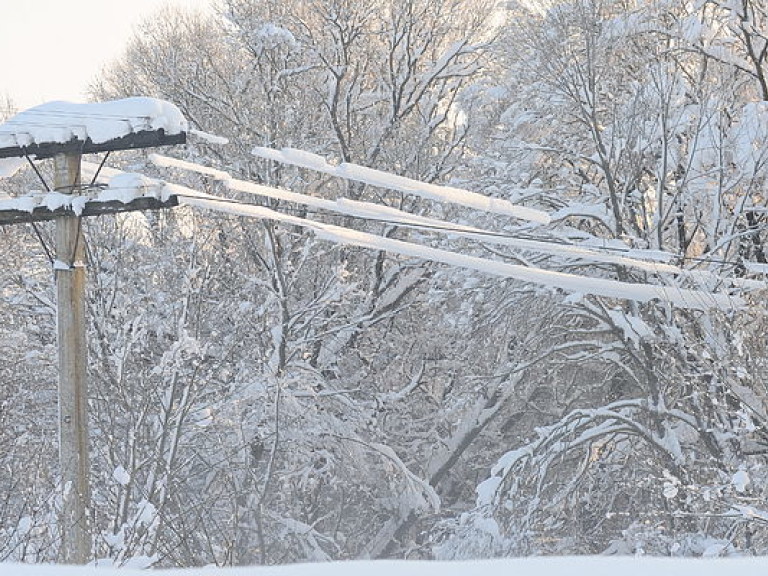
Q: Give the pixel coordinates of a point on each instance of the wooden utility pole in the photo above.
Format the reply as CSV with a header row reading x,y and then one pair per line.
x,y
69,270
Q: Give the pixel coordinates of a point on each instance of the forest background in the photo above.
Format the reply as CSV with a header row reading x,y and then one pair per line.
x,y
259,395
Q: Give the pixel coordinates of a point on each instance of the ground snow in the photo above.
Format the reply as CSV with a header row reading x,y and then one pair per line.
x,y
535,566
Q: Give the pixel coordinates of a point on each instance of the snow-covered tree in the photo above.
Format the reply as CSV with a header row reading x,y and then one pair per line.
x,y
639,139
262,396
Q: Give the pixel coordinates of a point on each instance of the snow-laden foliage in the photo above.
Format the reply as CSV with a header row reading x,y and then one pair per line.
x,y
259,395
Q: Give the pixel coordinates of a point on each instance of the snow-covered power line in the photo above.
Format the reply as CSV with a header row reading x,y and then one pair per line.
x,y
573,283
370,211
379,213
381,179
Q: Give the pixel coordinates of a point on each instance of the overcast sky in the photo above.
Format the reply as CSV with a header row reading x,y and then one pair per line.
x,y
52,49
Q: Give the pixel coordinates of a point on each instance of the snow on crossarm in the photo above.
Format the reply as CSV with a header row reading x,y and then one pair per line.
x,y
63,127
123,192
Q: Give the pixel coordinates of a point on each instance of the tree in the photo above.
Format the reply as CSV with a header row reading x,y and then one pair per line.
x,y
643,157
322,338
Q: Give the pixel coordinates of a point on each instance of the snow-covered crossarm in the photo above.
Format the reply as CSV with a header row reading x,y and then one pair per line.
x,y
402,184
67,128
125,193
693,299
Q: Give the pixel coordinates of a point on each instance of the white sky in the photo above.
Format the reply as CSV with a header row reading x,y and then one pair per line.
x,y
52,49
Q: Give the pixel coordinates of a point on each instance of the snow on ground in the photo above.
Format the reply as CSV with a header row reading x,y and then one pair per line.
x,y
534,566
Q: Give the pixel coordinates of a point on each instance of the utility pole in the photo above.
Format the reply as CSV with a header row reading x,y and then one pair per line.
x,y
21,137
69,270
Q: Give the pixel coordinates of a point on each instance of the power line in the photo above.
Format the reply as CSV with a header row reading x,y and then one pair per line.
x,y
467,232
506,235
463,231
574,283
676,288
